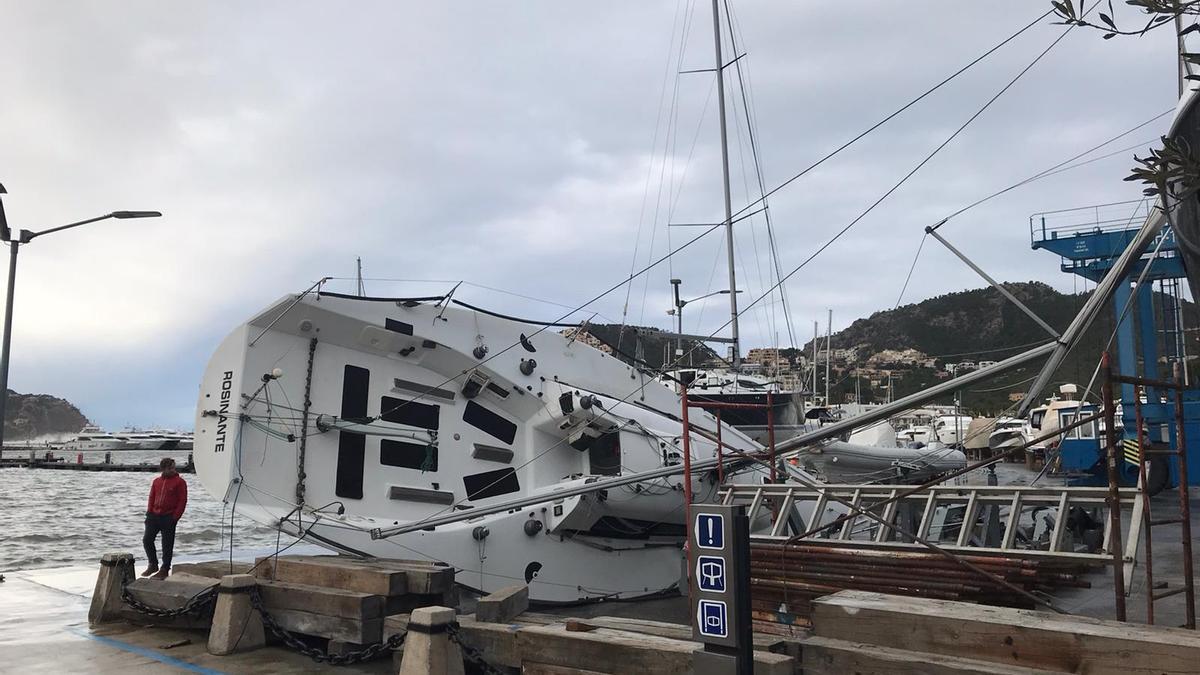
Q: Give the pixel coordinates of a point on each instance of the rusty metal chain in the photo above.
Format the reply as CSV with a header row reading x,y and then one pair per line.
x,y
301,474
194,605
320,656
470,653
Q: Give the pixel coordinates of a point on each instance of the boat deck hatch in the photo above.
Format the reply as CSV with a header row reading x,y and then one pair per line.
x,y
409,412
491,484
408,455
493,424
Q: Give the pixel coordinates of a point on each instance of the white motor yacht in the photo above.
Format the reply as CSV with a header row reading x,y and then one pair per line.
x,y
93,438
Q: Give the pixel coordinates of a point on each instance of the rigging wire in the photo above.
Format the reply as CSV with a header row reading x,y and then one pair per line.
x,y
1060,167
672,202
915,169
650,166
751,130
672,141
912,267
904,107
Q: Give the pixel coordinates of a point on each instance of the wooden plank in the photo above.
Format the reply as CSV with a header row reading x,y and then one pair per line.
x,y
367,631
403,604
497,641
675,631
604,650
421,576
537,618
616,651
504,605
395,624
826,656
333,573
321,600
547,669
212,569
780,630
1002,635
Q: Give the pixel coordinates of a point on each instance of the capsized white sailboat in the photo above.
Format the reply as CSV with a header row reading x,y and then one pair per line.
x,y
402,410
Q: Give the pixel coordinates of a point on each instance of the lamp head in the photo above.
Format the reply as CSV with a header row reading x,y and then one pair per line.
x,y
5,233
124,215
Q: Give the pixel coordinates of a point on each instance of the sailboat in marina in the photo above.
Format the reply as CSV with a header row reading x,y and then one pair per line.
x,y
427,427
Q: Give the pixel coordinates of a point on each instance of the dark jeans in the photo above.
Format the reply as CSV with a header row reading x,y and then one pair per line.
x,y
154,525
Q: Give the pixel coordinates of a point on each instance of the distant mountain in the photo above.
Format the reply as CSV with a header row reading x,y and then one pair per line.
x,y
29,416
651,345
980,324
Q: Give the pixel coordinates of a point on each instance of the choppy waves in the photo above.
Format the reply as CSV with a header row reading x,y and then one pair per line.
x,y
56,518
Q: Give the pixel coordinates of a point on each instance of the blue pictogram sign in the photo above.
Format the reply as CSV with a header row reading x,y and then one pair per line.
x,y
710,531
712,618
710,573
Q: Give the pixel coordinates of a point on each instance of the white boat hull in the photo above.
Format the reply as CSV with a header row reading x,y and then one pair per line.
x,y
391,456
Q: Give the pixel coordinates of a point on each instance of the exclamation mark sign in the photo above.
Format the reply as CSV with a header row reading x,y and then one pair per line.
x,y
710,522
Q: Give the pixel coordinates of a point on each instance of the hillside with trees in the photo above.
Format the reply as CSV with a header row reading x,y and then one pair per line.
x,y
28,416
976,325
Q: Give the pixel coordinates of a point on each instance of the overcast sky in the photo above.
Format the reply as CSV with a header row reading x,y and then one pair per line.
x,y
518,146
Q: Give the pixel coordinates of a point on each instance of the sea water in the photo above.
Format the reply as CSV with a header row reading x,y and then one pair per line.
x,y
54,518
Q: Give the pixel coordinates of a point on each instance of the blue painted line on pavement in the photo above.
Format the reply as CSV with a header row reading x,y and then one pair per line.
x,y
142,651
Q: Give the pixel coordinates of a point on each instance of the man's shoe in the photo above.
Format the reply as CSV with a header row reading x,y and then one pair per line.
x,y
162,574
149,571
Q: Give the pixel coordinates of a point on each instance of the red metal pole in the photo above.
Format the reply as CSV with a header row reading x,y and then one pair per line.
x,y
720,458
687,465
1185,509
771,434
1114,495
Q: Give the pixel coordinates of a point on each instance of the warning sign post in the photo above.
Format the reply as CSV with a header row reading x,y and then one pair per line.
x,y
719,588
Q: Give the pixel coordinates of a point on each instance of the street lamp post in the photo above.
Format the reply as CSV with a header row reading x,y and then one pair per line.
x,y
14,246
679,305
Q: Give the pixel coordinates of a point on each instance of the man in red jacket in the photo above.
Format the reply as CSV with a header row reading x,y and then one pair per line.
x,y
168,498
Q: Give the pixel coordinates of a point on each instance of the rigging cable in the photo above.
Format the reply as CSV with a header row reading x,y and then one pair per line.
x,y
672,141
912,267
751,126
912,172
1060,167
662,96
902,108
748,207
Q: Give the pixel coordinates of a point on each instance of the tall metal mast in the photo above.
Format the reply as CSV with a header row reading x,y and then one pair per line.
x,y
828,353
733,306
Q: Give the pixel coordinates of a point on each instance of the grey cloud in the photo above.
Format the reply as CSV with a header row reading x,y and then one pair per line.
x,y
508,144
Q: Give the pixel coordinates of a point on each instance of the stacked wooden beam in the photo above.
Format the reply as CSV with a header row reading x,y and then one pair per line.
x,y
544,643
339,599
876,634
785,579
